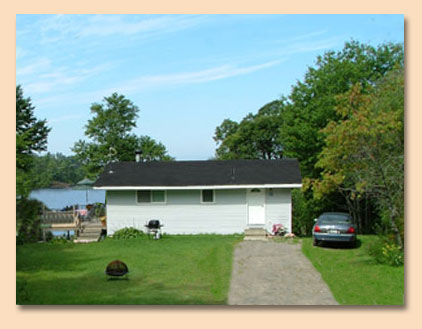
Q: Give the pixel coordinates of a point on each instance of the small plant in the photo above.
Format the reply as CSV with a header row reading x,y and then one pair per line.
x,y
99,210
60,240
127,233
279,229
385,251
393,254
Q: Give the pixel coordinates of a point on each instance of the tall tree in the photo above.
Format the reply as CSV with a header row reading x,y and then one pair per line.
x,y
255,137
31,137
110,132
313,101
364,152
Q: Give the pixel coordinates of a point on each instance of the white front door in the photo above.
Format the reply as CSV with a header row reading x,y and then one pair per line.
x,y
256,211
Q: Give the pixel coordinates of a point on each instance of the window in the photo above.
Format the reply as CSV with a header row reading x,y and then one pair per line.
x,y
151,196
158,196
207,196
144,196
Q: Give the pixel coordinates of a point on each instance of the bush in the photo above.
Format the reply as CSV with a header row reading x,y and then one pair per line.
x,y
60,240
127,233
49,236
385,251
305,209
28,221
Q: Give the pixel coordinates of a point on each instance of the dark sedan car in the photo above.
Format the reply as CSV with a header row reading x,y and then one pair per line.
x,y
334,227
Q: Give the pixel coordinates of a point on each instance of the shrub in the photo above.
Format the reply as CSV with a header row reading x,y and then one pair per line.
x,y
99,209
127,233
49,236
60,240
305,209
385,251
28,221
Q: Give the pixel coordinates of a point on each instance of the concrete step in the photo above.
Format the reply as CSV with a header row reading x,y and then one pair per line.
x,y
252,231
255,238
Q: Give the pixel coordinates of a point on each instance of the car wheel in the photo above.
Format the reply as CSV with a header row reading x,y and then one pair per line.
x,y
315,242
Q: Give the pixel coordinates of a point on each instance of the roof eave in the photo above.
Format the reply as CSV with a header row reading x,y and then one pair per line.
x,y
197,187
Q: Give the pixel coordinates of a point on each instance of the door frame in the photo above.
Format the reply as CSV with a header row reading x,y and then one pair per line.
x,y
265,208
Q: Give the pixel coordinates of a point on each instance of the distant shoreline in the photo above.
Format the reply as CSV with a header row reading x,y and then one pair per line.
x,y
63,186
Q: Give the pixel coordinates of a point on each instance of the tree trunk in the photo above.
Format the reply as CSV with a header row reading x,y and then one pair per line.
x,y
394,227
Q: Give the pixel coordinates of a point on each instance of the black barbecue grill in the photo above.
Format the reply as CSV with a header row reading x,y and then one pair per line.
x,y
153,227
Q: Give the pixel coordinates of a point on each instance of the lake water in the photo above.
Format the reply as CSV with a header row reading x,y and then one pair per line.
x,y
60,198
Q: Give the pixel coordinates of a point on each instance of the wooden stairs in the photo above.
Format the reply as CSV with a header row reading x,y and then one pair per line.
x,y
90,232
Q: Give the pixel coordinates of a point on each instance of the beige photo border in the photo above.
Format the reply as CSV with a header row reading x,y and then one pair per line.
x,y
32,317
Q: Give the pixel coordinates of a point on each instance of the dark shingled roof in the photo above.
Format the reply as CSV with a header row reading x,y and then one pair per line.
x,y
198,173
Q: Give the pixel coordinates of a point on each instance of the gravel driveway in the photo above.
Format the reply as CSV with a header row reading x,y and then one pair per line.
x,y
271,273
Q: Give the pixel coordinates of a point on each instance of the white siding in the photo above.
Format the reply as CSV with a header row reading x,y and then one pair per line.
x,y
183,212
278,208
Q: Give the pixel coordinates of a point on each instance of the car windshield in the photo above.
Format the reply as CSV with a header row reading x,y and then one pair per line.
x,y
334,219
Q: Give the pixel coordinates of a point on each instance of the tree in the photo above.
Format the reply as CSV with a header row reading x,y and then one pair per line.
x,y
364,152
255,137
313,101
153,150
110,132
57,168
296,128
31,137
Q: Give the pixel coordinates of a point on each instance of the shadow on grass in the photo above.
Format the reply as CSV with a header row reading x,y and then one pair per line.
x,y
340,245
96,289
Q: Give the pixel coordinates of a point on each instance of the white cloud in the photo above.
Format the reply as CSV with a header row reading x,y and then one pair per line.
x,y
38,87
36,66
306,36
50,79
105,26
212,74
55,28
157,81
310,46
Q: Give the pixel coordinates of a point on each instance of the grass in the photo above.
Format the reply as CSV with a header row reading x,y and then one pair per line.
x,y
172,270
354,277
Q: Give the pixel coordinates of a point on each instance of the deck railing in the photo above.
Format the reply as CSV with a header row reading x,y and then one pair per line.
x,y
58,217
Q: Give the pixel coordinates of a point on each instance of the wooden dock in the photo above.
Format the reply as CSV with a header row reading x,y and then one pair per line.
x,y
86,228
60,221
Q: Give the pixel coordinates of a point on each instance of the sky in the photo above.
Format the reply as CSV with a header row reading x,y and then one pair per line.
x,y
186,73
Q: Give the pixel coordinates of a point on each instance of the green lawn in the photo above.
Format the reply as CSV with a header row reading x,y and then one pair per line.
x,y
173,270
353,276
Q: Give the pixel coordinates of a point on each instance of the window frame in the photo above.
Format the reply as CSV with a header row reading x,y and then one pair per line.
x,y
207,202
150,197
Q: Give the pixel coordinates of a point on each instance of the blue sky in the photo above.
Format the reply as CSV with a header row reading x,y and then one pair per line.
x,y
186,73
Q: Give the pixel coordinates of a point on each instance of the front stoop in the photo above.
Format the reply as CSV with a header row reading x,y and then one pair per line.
x,y
256,234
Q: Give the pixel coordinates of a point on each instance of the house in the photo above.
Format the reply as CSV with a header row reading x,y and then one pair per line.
x,y
193,197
